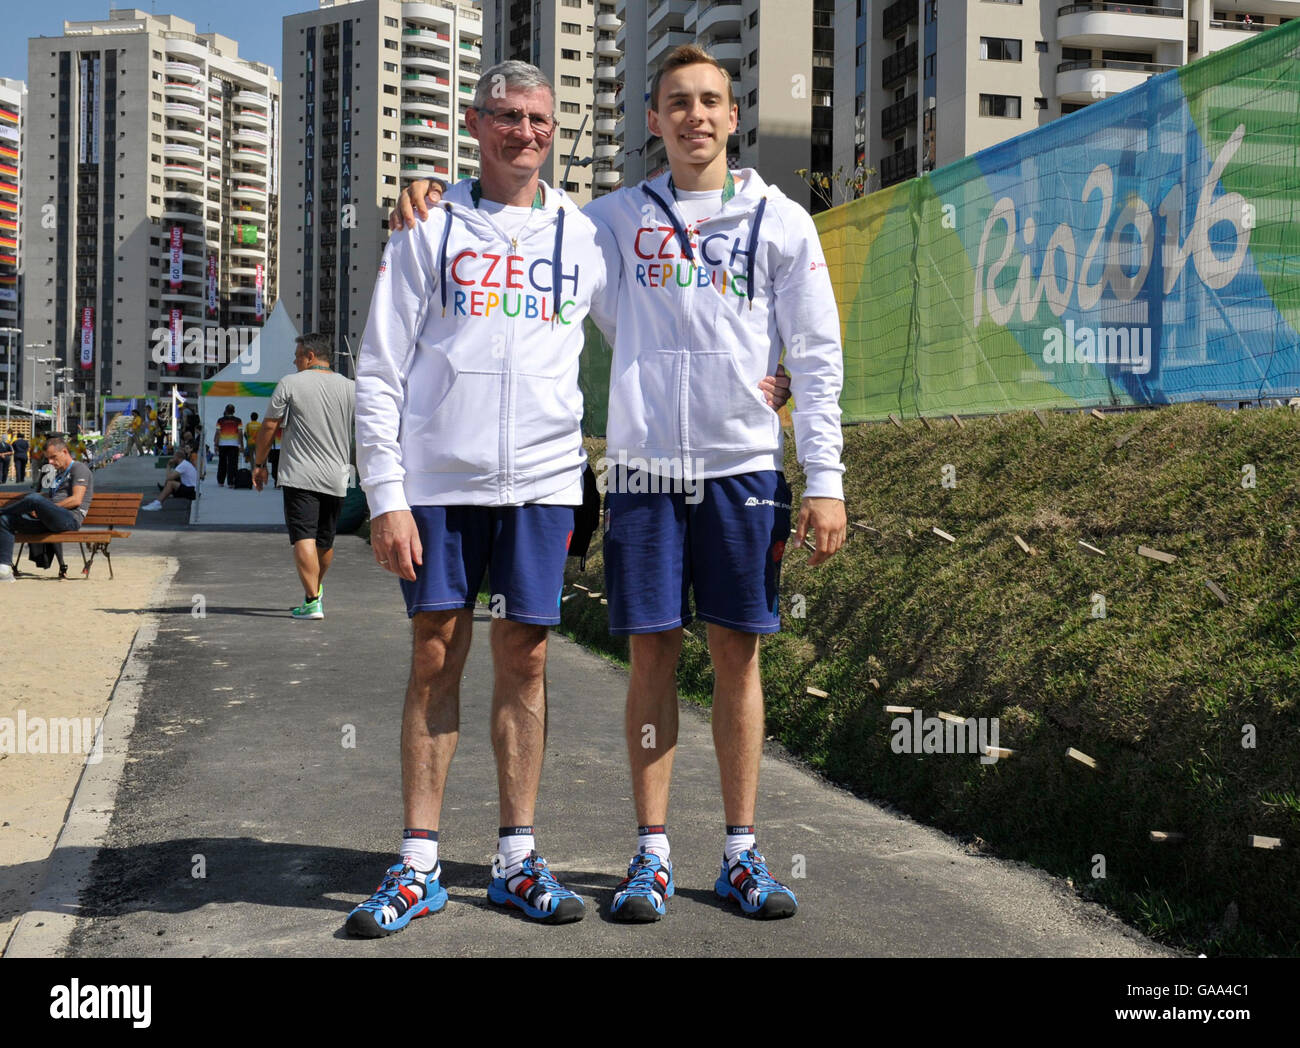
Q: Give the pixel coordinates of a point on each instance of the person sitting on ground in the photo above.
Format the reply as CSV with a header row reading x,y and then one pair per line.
x,y
182,480
64,510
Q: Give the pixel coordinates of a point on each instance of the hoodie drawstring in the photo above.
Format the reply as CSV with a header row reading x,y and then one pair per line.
x,y
682,238
753,246
555,262
442,259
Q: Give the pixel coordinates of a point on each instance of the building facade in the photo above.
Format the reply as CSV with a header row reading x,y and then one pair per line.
x,y
152,185
934,82
13,99
375,96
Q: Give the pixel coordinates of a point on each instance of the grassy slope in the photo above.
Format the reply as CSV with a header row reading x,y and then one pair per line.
x,y
1158,691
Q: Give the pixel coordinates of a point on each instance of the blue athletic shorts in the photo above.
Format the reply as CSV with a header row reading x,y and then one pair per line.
x,y
726,545
522,547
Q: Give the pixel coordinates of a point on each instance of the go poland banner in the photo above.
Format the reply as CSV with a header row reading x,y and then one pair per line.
x,y
259,305
87,337
212,285
178,240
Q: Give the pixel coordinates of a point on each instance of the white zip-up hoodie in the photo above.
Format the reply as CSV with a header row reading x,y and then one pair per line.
x,y
702,319
467,382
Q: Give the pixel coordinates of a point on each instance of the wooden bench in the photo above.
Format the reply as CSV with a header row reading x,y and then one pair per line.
x,y
109,511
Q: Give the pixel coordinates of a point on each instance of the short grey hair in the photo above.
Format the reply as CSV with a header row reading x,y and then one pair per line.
x,y
319,344
512,74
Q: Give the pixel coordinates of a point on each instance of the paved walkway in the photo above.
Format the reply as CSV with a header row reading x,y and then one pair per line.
x,y
235,820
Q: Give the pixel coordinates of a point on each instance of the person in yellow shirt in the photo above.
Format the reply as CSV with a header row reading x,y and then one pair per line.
x,y
250,435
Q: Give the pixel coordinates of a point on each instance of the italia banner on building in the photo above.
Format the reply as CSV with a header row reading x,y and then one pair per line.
x,y
174,343
259,310
178,242
87,337
212,285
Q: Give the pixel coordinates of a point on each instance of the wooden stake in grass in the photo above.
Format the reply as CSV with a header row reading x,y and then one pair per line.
x,y
1155,554
583,588
1041,417
603,600
951,717
1264,842
1223,597
957,419
926,422
895,421
817,693
1125,438
1082,758
593,596
1091,548
899,709
1163,836
569,596
865,527
943,535
1097,414
1000,752
874,683
1023,545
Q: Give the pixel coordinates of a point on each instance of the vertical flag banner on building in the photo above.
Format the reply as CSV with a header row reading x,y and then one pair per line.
x,y
212,285
87,337
178,247
1145,250
259,311
174,342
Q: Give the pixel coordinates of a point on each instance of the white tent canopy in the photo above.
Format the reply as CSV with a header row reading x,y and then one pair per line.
x,y
249,383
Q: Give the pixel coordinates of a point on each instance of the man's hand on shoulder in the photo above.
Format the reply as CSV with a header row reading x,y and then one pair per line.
x,y
419,196
396,542
827,521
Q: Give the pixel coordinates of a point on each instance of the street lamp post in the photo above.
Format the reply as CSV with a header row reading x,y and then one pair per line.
x,y
9,369
31,384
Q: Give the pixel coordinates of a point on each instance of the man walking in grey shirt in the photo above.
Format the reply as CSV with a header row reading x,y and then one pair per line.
x,y
313,409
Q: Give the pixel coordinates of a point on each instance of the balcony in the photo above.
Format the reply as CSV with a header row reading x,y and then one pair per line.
x,y
1078,81
425,63
659,45
183,70
727,50
607,178
607,100
898,166
1129,27
607,47
175,89
610,22
898,65
184,135
899,115
252,99
606,151
721,17
898,16
1220,34
250,116
668,15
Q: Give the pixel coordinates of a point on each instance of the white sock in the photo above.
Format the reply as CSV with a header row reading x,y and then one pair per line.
x,y
513,844
739,839
653,839
420,849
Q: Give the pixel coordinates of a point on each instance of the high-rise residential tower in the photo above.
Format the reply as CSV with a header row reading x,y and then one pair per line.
x,y
375,95
151,197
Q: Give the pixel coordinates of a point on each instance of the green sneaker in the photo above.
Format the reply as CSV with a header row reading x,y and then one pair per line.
x,y
308,609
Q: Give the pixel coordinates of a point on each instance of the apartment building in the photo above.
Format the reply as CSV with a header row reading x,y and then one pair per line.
x,y
375,94
934,82
781,58
151,183
573,43
13,98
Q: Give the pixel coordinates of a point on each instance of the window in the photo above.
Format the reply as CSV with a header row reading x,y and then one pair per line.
x,y
390,67
392,23
572,3
753,57
1000,105
390,158
571,187
572,28
390,89
1041,47
392,45
999,49
389,111
752,137
931,11
753,19
570,55
753,98
1040,103
570,107
568,133
929,66
570,81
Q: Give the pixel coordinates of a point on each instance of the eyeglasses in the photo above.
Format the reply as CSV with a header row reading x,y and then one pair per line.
x,y
508,119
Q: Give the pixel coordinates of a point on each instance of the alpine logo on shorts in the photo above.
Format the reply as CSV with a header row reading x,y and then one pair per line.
x,y
751,501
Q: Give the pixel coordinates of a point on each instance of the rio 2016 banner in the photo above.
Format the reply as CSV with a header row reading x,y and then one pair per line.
x,y
1145,250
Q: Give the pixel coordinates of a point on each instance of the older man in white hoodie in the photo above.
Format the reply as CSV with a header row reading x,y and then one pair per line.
x,y
470,452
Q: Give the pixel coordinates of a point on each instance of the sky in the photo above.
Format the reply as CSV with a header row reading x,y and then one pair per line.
x,y
255,24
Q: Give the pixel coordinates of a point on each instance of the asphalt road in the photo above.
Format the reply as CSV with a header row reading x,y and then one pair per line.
x,y
237,770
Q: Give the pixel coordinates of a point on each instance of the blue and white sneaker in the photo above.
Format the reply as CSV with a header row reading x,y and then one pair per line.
x,y
404,894
746,880
531,887
642,895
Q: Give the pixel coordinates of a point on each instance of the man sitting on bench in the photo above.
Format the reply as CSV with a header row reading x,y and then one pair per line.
x,y
63,510
182,480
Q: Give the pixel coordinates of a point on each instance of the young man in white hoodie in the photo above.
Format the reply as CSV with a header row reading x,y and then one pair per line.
x,y
469,448
717,271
